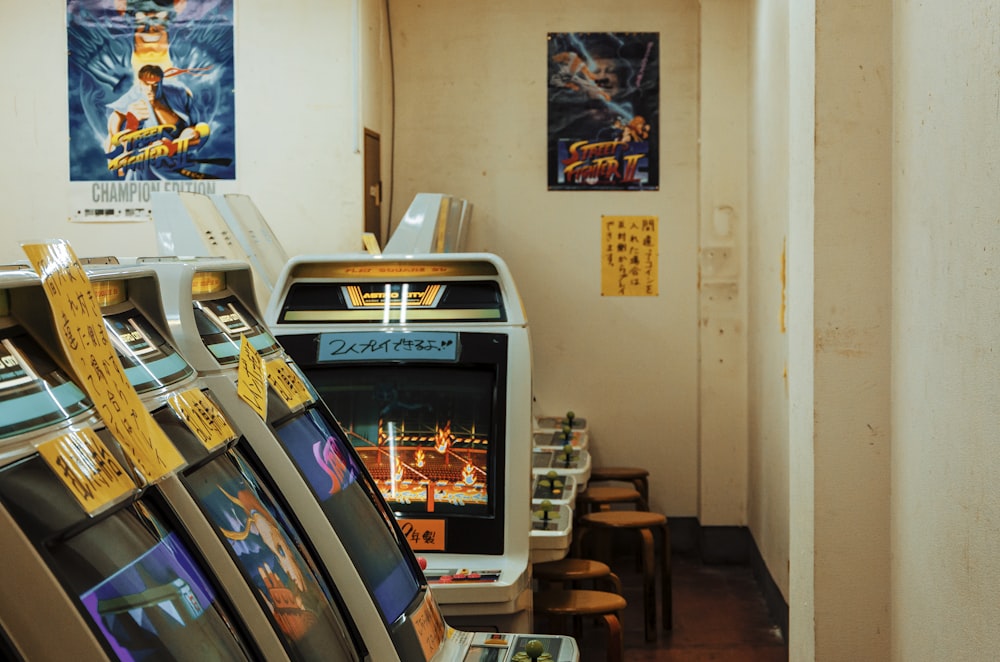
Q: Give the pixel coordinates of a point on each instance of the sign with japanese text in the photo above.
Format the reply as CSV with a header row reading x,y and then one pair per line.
x,y
203,417
367,345
87,468
84,337
629,256
251,381
287,383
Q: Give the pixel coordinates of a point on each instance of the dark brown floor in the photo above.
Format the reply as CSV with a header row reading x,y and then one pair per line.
x,y
719,615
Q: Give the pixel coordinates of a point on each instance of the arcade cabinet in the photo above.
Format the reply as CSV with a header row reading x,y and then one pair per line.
x,y
433,223
210,314
98,563
426,362
220,479
229,227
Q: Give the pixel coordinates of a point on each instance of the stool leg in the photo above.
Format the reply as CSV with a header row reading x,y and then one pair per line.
x,y
667,588
578,549
616,643
649,582
615,581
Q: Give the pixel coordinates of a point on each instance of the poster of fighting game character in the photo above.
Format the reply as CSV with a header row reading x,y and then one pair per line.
x,y
603,111
151,95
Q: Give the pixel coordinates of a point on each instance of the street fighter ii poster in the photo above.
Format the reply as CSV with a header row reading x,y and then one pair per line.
x,y
151,98
603,111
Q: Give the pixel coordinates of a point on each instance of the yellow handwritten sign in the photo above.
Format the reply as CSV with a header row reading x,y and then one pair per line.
x,y
424,535
429,625
629,256
287,383
202,417
87,468
78,320
251,380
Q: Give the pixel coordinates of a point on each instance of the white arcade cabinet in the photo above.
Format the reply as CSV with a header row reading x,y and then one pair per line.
x,y
426,362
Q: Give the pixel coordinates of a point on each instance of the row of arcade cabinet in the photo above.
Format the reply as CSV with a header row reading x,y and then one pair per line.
x,y
264,538
422,351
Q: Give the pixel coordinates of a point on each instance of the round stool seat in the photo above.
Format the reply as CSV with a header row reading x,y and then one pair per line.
x,y
577,602
624,519
638,476
570,570
618,473
598,494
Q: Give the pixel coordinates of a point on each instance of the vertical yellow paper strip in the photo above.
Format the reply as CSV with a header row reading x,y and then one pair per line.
x,y
629,256
251,382
81,330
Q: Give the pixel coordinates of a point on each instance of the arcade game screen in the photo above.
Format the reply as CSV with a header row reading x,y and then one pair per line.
x,y
222,321
149,360
34,392
272,555
432,434
352,507
423,431
136,580
157,605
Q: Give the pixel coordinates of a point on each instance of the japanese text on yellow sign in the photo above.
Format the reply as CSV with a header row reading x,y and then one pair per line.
x,y
251,381
429,626
87,468
629,256
287,383
78,321
202,417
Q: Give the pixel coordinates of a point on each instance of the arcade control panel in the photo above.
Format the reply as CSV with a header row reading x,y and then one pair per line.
x,y
461,576
505,647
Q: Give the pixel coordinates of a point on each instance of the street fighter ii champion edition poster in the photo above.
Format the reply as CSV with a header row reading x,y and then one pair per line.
x,y
151,90
603,111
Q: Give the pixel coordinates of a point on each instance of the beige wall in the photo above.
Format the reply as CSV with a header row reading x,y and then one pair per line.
x,y
301,99
820,272
769,257
722,266
946,332
471,121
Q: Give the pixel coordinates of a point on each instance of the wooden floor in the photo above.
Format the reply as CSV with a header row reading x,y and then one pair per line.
x,y
719,615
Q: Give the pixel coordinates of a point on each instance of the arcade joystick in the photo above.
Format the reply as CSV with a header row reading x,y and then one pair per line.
x,y
552,483
567,455
570,415
422,562
534,649
545,516
567,431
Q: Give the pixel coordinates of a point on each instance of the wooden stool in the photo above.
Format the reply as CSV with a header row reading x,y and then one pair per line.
x,y
600,497
569,571
638,476
645,523
580,602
